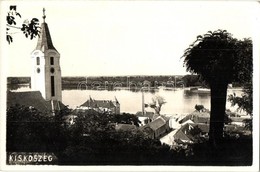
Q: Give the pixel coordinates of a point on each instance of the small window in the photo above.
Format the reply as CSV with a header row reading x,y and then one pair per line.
x,y
52,61
38,61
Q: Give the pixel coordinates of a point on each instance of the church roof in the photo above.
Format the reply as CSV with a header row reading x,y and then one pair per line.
x,y
32,99
44,41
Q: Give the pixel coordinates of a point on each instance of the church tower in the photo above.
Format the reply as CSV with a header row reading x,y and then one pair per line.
x,y
46,71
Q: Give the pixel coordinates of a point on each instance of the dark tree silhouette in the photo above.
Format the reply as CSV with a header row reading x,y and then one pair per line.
x,y
30,29
219,59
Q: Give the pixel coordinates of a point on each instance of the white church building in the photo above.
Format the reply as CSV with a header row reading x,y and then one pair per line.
x,y
46,84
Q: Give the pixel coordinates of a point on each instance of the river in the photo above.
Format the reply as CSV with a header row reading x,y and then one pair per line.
x,y
179,101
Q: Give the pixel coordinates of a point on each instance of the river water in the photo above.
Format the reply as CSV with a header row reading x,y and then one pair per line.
x,y
178,101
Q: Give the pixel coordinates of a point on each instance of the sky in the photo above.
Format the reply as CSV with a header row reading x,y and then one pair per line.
x,y
108,38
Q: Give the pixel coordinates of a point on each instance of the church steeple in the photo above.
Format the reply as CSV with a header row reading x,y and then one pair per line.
x,y
46,71
44,41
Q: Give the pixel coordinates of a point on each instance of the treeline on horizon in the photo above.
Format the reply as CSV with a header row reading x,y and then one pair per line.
x,y
160,80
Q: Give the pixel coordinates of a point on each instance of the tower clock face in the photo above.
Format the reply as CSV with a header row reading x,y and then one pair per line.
x,y
38,70
52,70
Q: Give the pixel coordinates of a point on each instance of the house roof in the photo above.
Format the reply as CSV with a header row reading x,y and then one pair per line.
x,y
180,135
165,118
196,118
99,103
204,127
157,123
147,114
184,132
205,112
34,99
44,41
237,119
125,127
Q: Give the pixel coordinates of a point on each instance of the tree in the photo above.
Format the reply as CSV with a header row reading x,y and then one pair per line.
x,y
29,28
193,80
245,102
126,118
245,66
157,103
199,107
217,57
29,130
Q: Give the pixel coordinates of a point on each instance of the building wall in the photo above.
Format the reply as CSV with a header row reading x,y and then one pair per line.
x,y
41,74
160,131
37,73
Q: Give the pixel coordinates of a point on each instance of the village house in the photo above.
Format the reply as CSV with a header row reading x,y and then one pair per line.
x,y
189,133
174,121
197,117
145,117
109,106
156,128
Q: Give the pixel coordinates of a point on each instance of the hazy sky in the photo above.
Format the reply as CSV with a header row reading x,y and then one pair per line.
x,y
124,37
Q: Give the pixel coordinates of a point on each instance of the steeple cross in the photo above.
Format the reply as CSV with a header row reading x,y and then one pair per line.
x,y
44,16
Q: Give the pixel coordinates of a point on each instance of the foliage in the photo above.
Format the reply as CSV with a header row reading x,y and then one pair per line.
x,y
126,118
196,133
29,28
248,124
207,56
157,103
227,119
193,80
92,140
220,59
30,130
199,107
245,102
230,153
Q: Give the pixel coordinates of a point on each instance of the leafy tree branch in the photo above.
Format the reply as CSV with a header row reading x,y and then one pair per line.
x,y
30,29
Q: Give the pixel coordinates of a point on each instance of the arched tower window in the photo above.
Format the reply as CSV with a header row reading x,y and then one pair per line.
x,y
52,86
51,60
38,61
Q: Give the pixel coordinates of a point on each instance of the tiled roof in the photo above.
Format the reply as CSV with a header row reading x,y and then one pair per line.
x,y
196,118
184,132
157,123
204,127
32,98
165,118
44,41
99,103
180,135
